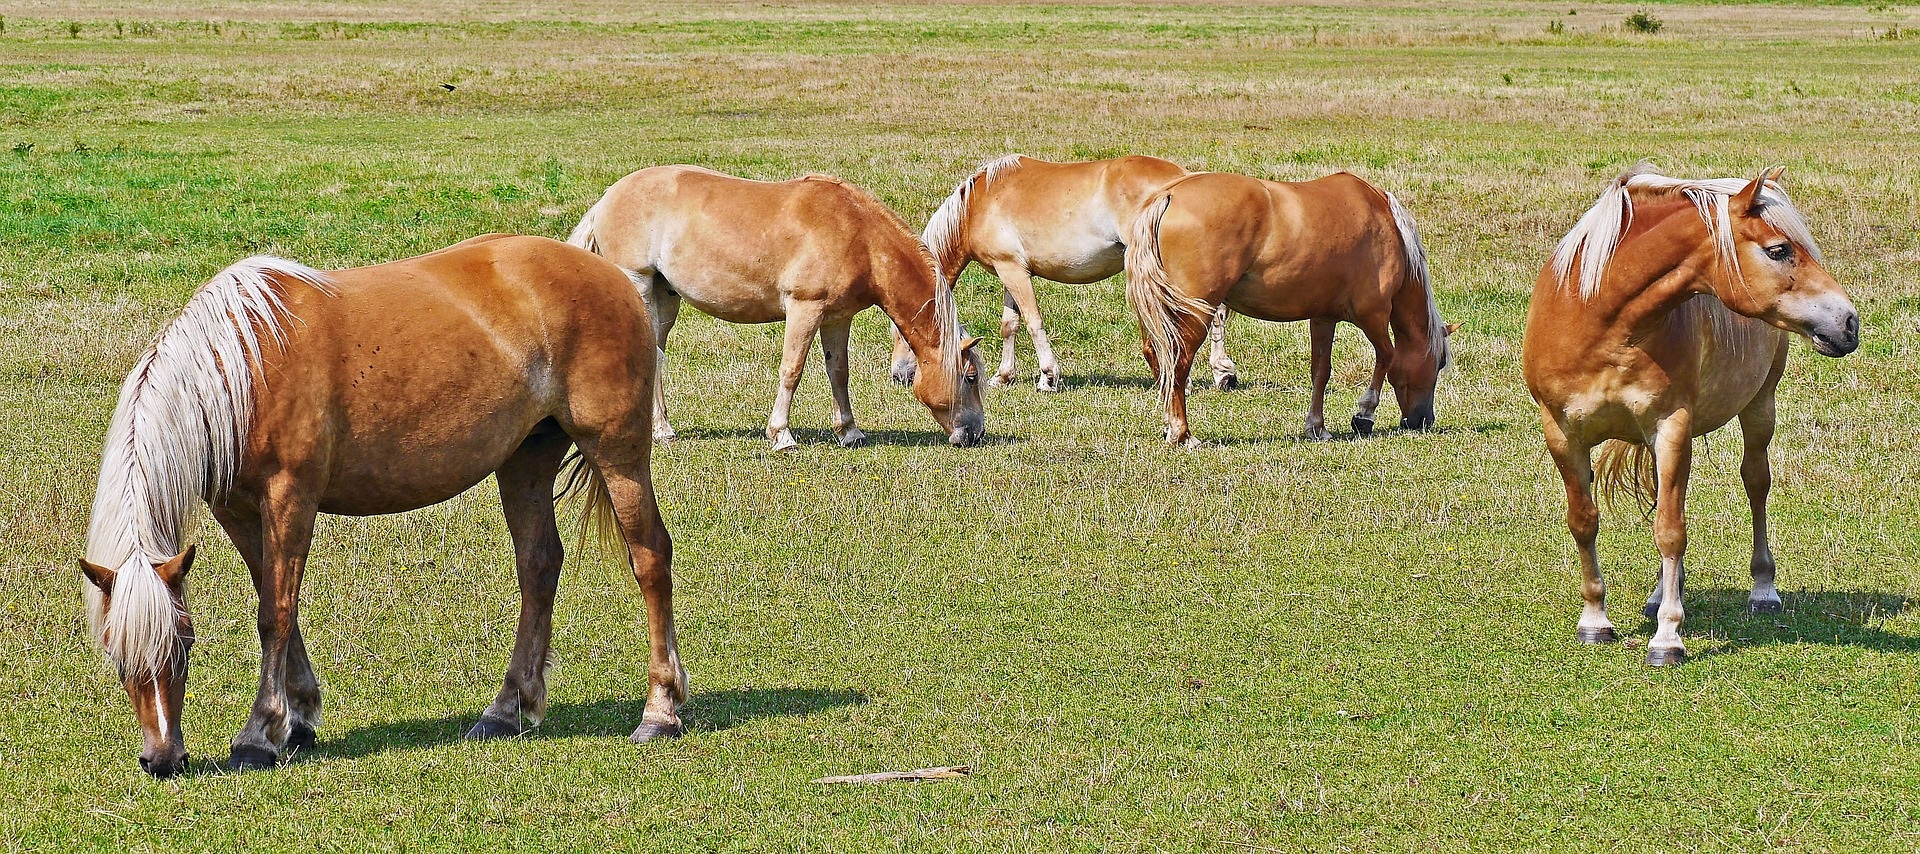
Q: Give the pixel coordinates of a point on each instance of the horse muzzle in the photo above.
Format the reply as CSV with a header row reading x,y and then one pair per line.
x,y
1838,339
168,763
966,437
1421,418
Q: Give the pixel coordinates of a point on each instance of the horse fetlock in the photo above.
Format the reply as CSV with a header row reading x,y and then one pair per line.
x,y
664,434
1001,380
1048,381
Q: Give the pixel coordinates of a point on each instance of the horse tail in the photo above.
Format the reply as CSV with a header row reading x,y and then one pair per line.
x,y
582,480
1417,274
585,234
1157,304
946,231
1627,467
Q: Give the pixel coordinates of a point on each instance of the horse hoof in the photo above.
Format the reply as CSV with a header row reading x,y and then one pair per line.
x,y
1226,382
302,738
1666,657
665,438
648,731
785,443
853,439
1047,383
246,757
1603,634
999,381
1362,426
1319,434
492,728
1764,606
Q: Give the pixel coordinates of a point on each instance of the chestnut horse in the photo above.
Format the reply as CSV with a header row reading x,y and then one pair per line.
x,y
813,251
1332,249
1663,315
1023,217
281,392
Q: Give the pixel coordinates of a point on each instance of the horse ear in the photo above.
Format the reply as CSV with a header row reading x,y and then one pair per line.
x,y
1749,202
969,343
1452,328
174,570
100,576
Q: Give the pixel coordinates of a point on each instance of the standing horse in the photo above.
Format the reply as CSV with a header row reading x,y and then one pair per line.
x,y
1332,249
814,251
281,392
1022,217
1659,319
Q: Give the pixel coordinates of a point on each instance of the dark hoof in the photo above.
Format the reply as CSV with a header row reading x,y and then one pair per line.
x,y
492,728
1772,607
246,757
1600,635
1666,657
648,731
1362,426
1226,383
301,738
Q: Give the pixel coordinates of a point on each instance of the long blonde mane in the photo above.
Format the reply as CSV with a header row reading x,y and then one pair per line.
x,y
946,231
1594,238
175,440
1416,258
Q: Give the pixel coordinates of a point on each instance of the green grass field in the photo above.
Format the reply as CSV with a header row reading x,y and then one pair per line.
x,y
1261,644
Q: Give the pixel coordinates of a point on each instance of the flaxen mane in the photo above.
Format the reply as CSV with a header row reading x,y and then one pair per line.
x,y
175,440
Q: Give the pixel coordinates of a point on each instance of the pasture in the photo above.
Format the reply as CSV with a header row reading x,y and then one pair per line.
x,y
1261,644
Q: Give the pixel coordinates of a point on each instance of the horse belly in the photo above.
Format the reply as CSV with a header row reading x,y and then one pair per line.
x,y
384,471
1079,262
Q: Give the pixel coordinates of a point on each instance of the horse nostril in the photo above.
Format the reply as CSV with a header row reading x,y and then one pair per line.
x,y
1853,325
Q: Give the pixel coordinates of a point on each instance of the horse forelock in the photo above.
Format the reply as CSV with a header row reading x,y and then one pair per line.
x,y
175,439
1596,237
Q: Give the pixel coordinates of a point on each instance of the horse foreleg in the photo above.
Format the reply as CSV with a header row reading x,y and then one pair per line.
x,y
1321,334
1226,375
243,526
1022,304
1382,342
526,482
287,515
1673,457
833,349
802,320
1583,522
664,306
905,365
1756,432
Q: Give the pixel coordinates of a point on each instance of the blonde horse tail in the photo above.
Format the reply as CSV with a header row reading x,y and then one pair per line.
x,y
1157,304
584,235
1626,467
582,481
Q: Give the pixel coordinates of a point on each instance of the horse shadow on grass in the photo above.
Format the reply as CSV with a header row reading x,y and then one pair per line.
x,y
1384,431
1827,617
708,711
809,437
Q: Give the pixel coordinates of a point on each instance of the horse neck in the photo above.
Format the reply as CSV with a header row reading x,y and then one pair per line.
x,y
1654,274
1411,317
910,301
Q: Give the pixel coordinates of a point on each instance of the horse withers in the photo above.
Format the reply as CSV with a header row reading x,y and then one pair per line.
x,y
1665,313
282,392
1023,217
1332,249
814,252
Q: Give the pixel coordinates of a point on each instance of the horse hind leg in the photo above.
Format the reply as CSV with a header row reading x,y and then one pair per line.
x,y
526,482
834,338
663,305
1756,473
1575,464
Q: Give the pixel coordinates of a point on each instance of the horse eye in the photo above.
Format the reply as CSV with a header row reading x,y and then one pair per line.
x,y
1780,251
973,378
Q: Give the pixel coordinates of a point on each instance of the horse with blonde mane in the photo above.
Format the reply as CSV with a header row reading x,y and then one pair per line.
x,y
1023,217
1332,249
1665,313
814,252
281,392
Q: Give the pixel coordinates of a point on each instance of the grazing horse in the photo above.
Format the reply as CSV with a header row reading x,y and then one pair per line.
x,y
813,251
1658,319
281,392
1022,217
1332,249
